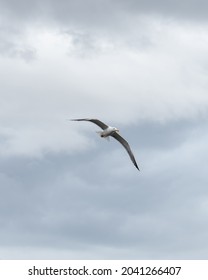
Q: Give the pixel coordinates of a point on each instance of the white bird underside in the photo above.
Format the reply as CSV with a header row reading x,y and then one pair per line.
x,y
112,131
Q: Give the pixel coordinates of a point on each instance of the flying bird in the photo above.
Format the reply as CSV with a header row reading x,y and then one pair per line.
x,y
114,132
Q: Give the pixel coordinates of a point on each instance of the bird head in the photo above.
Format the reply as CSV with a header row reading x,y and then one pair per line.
x,y
116,129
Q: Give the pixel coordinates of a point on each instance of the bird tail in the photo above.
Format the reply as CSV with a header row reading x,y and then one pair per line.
x,y
101,135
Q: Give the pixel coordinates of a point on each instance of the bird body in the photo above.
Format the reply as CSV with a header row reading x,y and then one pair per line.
x,y
108,131
113,132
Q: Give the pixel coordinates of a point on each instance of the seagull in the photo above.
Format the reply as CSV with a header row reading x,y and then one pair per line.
x,y
114,132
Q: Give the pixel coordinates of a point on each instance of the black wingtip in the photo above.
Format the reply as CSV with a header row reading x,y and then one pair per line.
x,y
78,120
137,167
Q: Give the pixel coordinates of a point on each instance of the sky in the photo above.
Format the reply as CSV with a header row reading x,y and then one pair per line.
x,y
141,66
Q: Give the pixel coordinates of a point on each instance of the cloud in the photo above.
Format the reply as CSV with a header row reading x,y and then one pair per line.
x,y
164,82
104,13
13,44
59,200
65,193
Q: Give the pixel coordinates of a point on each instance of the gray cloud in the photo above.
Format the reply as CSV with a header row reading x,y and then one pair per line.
x,y
13,44
65,193
59,201
103,12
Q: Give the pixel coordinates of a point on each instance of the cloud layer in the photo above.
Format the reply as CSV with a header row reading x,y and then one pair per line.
x,y
65,193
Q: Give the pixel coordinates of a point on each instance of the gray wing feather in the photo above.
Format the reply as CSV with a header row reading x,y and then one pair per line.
x,y
97,122
126,146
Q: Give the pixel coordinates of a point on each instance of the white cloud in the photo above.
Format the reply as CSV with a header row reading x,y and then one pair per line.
x,y
166,81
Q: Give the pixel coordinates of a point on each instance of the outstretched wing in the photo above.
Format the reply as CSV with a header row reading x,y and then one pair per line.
x,y
126,146
97,122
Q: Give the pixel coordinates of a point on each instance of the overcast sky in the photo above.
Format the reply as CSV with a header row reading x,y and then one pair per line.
x,y
141,66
